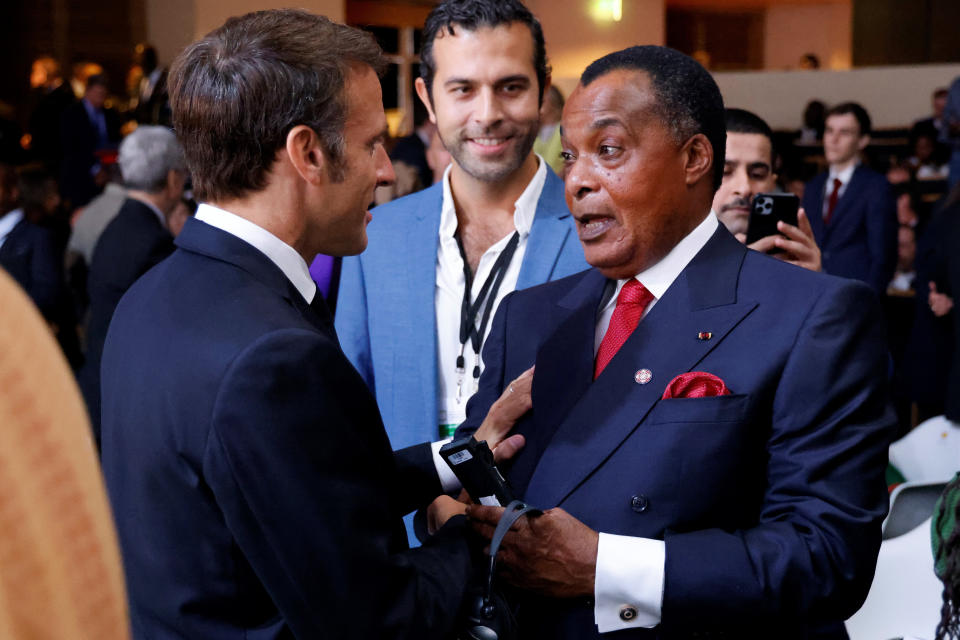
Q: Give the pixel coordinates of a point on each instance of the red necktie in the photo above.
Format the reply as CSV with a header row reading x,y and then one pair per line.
x,y
631,302
832,202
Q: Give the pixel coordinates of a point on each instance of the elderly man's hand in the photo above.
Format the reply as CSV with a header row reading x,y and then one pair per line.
x,y
798,247
553,554
509,407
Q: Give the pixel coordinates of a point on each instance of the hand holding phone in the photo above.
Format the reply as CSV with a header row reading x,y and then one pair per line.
x,y
768,209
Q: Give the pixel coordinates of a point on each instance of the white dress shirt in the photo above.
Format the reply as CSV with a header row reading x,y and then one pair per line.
x,y
630,570
279,252
844,177
8,222
448,297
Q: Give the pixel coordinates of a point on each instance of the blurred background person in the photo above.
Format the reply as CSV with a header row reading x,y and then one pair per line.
x,y
547,144
89,131
59,557
27,251
50,97
154,173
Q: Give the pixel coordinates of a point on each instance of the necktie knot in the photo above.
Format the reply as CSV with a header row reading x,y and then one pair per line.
x,y
631,303
634,293
837,183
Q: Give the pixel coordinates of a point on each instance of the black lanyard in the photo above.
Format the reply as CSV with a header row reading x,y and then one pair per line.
x,y
468,311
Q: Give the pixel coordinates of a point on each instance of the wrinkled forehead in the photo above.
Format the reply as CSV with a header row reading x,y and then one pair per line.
x,y
619,99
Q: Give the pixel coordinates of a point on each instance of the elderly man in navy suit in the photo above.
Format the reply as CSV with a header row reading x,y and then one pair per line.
x,y
710,424
850,207
253,485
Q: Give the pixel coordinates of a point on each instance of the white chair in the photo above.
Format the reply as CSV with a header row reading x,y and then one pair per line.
x,y
906,595
930,452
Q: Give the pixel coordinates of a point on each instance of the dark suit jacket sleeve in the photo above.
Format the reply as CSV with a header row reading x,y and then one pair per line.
x,y
881,222
811,555
353,328
45,272
304,489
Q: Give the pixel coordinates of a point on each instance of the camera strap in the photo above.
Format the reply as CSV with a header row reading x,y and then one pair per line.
x,y
513,512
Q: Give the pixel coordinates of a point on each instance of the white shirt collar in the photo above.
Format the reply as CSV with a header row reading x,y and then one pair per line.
x,y
524,209
279,252
844,176
658,278
156,211
8,222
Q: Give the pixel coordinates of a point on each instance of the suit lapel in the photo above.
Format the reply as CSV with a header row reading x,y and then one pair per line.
x,y
701,299
551,229
419,299
202,238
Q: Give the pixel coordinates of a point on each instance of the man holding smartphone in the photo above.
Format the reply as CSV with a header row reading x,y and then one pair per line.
x,y
747,171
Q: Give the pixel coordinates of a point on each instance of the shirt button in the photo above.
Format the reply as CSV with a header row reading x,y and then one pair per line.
x,y
628,613
639,503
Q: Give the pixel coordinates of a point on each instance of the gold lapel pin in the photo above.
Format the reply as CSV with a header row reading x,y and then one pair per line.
x,y
704,335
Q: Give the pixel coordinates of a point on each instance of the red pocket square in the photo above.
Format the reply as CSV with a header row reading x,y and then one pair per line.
x,y
696,384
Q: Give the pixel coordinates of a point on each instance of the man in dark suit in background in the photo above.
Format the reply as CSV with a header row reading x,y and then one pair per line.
x,y
154,172
28,251
710,424
253,484
850,207
87,127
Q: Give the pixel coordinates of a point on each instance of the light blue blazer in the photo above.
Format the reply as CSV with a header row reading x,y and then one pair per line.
x,y
385,309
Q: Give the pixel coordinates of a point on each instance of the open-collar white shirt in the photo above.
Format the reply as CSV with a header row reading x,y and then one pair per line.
x,y
450,283
8,222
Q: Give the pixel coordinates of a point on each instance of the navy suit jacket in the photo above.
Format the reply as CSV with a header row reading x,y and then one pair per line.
x,y
80,143
29,255
769,500
254,489
386,318
133,242
861,240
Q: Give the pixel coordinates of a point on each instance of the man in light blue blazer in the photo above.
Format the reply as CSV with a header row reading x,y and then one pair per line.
x,y
401,307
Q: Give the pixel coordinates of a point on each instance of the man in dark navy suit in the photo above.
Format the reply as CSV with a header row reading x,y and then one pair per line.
x,y
154,172
87,127
27,251
710,424
254,487
850,207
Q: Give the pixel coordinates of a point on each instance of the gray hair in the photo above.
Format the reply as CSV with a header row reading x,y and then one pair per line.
x,y
147,155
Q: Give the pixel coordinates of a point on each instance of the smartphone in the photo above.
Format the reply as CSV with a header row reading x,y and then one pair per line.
x,y
767,210
472,463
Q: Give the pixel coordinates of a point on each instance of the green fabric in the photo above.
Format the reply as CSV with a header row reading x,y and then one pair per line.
x,y
894,477
942,527
550,151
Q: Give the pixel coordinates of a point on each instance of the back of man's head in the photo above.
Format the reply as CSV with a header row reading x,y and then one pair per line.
x,y
238,92
146,157
472,15
857,111
688,99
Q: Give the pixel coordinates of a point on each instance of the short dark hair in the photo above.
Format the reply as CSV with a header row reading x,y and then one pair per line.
x,y
238,92
35,184
688,99
471,15
858,112
743,121
98,80
941,92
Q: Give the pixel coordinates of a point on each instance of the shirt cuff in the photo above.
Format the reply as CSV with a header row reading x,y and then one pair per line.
x,y
628,589
448,481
